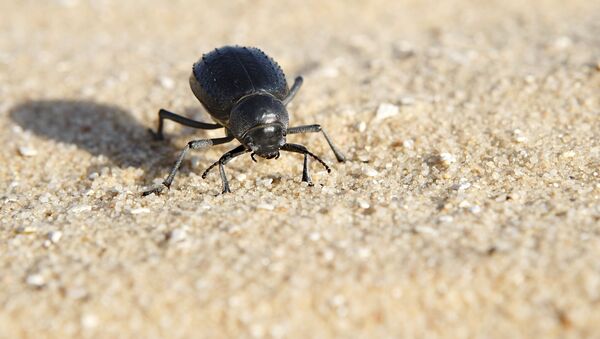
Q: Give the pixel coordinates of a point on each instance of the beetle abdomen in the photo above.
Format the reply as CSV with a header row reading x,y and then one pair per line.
x,y
220,78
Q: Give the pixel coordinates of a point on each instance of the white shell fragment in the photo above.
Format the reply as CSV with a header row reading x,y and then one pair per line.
x,y
386,110
27,151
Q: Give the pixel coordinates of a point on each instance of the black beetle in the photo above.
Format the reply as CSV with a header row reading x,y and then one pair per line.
x,y
246,93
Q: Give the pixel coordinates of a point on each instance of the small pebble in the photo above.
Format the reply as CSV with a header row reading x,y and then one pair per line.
x,y
54,236
529,79
408,144
89,320
446,218
80,209
426,230
27,151
264,182
386,110
330,72
464,204
447,158
370,172
77,293
314,236
362,126
265,206
463,185
177,235
167,82
364,157
562,42
363,204
328,254
518,136
475,209
327,190
17,129
407,101
195,161
36,280
140,210
521,139
364,252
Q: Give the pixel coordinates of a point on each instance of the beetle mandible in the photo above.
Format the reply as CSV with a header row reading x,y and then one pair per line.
x,y
246,93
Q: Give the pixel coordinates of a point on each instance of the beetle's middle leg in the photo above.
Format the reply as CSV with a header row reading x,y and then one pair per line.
x,y
194,144
305,175
164,114
314,129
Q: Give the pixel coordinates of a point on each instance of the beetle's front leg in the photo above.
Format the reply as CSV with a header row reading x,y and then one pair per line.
x,y
225,158
195,144
305,174
314,129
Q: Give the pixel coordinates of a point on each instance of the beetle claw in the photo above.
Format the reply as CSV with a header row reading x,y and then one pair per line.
x,y
156,136
156,190
252,156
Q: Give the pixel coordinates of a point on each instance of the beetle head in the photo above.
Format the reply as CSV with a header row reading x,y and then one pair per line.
x,y
259,121
265,140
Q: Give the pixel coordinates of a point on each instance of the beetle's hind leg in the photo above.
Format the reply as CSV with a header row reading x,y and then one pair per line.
x,y
294,90
225,158
314,129
195,144
164,114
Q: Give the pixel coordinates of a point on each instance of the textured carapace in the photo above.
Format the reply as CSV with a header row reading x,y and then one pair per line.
x,y
225,75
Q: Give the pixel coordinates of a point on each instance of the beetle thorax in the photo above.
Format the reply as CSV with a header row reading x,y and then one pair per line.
x,y
259,121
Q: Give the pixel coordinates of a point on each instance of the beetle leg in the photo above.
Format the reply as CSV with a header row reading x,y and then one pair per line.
x,y
314,129
305,174
293,91
303,150
225,158
164,114
195,144
224,179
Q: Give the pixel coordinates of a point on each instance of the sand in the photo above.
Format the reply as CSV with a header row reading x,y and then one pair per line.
x,y
469,207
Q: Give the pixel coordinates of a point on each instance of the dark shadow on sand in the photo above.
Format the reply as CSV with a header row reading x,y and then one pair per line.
x,y
98,128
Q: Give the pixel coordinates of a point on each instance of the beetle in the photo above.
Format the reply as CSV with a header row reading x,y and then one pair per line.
x,y
246,93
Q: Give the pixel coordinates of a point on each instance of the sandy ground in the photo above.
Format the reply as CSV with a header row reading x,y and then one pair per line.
x,y
470,206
